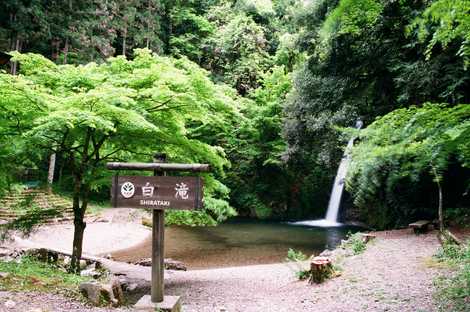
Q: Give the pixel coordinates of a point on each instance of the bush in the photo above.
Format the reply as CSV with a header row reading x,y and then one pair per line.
x,y
355,243
297,257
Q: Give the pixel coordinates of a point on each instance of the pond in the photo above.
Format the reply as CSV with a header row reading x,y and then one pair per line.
x,y
238,243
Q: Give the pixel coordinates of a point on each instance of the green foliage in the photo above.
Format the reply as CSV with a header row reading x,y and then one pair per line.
x,y
355,243
297,257
460,215
32,275
262,8
258,177
238,51
124,110
407,145
351,18
445,22
453,292
293,255
363,62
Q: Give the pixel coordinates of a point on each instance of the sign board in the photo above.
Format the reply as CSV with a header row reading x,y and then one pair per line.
x,y
157,192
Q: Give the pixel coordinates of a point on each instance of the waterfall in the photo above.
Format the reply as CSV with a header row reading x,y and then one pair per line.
x,y
331,218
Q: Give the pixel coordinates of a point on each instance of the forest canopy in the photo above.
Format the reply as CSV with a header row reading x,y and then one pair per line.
x,y
262,90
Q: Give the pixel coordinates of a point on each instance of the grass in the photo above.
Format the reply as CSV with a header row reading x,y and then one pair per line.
x,y
453,292
33,275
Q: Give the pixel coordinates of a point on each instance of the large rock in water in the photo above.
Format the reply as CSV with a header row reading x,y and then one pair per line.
x,y
169,263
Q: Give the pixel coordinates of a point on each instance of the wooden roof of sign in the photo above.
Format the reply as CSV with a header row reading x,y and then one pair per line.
x,y
157,166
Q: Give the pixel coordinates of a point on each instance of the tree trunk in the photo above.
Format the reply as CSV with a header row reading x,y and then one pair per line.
x,y
66,50
79,226
79,229
148,25
440,213
50,176
124,37
441,216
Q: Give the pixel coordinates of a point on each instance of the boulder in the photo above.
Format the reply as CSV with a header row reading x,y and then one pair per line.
x,y
133,289
100,294
117,291
96,294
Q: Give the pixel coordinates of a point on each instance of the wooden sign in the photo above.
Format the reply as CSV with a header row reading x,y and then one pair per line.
x,y
157,192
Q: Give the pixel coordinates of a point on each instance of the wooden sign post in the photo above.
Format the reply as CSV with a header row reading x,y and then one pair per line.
x,y
157,193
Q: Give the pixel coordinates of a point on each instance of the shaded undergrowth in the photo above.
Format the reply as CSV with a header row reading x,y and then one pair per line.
x,y
453,291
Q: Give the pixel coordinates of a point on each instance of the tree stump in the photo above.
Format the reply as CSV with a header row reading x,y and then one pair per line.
x,y
320,269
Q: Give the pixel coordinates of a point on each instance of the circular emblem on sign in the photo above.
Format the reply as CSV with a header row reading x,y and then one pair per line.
x,y
127,190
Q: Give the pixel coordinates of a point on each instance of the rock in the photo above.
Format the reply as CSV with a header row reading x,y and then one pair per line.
x,y
103,294
117,291
144,262
91,272
83,264
108,295
170,264
10,304
95,293
326,253
4,252
133,288
36,310
108,256
67,261
4,275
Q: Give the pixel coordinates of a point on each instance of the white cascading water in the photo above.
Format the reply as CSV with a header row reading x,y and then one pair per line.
x,y
331,218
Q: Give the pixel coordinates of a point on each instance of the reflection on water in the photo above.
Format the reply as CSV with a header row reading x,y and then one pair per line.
x,y
237,243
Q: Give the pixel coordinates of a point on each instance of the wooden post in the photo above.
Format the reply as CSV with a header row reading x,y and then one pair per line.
x,y
158,241
156,301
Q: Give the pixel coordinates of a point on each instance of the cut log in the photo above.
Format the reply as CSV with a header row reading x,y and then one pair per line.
x,y
451,237
320,269
366,237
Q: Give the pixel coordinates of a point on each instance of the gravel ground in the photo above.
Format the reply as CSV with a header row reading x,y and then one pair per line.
x,y
41,302
393,274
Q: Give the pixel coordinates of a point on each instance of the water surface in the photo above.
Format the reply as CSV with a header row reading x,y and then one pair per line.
x,y
237,243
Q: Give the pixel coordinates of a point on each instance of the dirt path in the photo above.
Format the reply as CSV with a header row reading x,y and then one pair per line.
x,y
393,274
